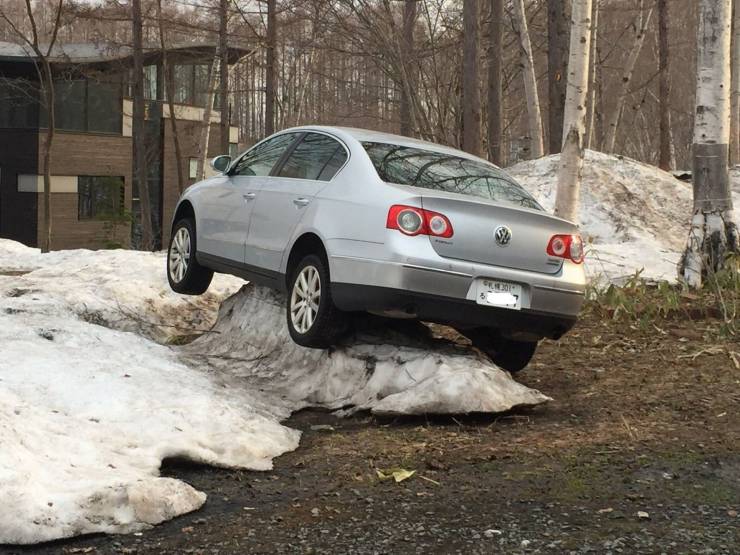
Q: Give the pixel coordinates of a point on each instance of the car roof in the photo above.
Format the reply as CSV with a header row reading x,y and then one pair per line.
x,y
367,135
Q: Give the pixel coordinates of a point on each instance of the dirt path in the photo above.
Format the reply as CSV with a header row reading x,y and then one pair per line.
x,y
639,453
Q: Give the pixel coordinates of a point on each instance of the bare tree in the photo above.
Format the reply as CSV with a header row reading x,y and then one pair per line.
x,y
713,232
594,78
270,84
664,96
169,85
46,80
570,173
735,128
409,21
557,68
141,173
223,88
205,130
643,19
470,83
534,115
495,92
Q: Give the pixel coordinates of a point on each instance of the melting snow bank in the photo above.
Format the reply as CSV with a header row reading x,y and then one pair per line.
x,y
387,367
88,408
635,216
87,413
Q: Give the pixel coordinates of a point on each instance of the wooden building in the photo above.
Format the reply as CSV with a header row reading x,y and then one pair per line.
x,y
94,199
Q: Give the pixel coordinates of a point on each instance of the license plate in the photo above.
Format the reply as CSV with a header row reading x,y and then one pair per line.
x,y
503,294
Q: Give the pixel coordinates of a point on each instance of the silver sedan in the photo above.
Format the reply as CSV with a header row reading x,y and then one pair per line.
x,y
348,220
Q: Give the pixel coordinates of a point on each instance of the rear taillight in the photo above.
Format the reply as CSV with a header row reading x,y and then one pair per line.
x,y
569,247
410,220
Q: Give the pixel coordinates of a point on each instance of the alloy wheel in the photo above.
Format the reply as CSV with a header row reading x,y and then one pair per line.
x,y
179,255
305,299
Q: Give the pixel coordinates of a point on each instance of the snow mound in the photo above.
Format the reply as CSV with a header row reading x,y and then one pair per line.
x,y
635,216
90,404
386,367
87,413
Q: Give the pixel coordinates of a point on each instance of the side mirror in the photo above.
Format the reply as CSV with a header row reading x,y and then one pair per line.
x,y
221,163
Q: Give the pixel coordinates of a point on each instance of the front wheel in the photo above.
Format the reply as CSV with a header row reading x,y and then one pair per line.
x,y
509,354
184,273
313,320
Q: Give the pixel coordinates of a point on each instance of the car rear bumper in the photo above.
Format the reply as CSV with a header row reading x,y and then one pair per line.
x,y
549,306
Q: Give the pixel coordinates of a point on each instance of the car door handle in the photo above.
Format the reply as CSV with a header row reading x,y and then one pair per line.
x,y
301,201
249,196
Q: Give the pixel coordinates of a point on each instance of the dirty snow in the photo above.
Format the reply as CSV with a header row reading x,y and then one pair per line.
x,y
634,216
90,403
387,367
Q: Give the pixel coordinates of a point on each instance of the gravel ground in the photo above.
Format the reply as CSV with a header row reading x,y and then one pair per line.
x,y
638,453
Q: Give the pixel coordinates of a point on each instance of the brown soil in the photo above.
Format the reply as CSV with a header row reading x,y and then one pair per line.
x,y
644,420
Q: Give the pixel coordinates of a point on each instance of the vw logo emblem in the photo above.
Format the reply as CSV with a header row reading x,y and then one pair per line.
x,y
502,235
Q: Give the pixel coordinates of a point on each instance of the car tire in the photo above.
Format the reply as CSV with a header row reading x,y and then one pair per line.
x,y
508,354
184,273
313,320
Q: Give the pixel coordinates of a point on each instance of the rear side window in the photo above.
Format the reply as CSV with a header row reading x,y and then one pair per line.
x,y
261,159
315,157
446,172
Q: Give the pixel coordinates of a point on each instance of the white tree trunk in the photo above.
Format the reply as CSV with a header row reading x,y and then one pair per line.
x,y
713,231
570,172
629,68
591,121
534,114
735,137
205,132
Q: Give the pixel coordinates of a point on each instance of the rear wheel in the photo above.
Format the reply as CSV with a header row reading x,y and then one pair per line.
x,y
184,273
313,320
509,354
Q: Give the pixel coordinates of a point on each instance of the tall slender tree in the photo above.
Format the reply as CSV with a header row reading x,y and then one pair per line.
x,y
534,113
223,83
557,68
495,89
735,128
470,85
641,25
713,232
408,60
570,172
664,95
270,78
138,131
48,97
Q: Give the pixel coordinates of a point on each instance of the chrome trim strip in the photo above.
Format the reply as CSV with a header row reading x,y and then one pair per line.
x,y
558,289
410,266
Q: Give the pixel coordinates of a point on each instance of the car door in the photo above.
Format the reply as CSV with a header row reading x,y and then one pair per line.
x,y
285,196
229,200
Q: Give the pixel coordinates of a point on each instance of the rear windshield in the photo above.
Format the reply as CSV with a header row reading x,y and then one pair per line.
x,y
445,172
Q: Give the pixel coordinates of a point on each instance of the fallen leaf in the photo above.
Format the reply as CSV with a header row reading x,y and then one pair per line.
x,y
398,474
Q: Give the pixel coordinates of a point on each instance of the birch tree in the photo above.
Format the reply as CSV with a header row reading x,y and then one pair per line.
x,y
223,73
205,130
407,40
640,31
270,67
534,115
570,171
735,128
713,234
470,85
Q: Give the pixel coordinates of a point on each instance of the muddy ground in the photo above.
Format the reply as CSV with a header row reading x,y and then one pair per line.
x,y
638,453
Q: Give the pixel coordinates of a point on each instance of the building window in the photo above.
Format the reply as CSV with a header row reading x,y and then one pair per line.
x,y
100,197
193,168
191,85
19,103
86,105
233,150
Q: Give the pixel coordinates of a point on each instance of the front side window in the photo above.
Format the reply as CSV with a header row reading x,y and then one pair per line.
x,y
100,197
446,172
316,157
260,160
